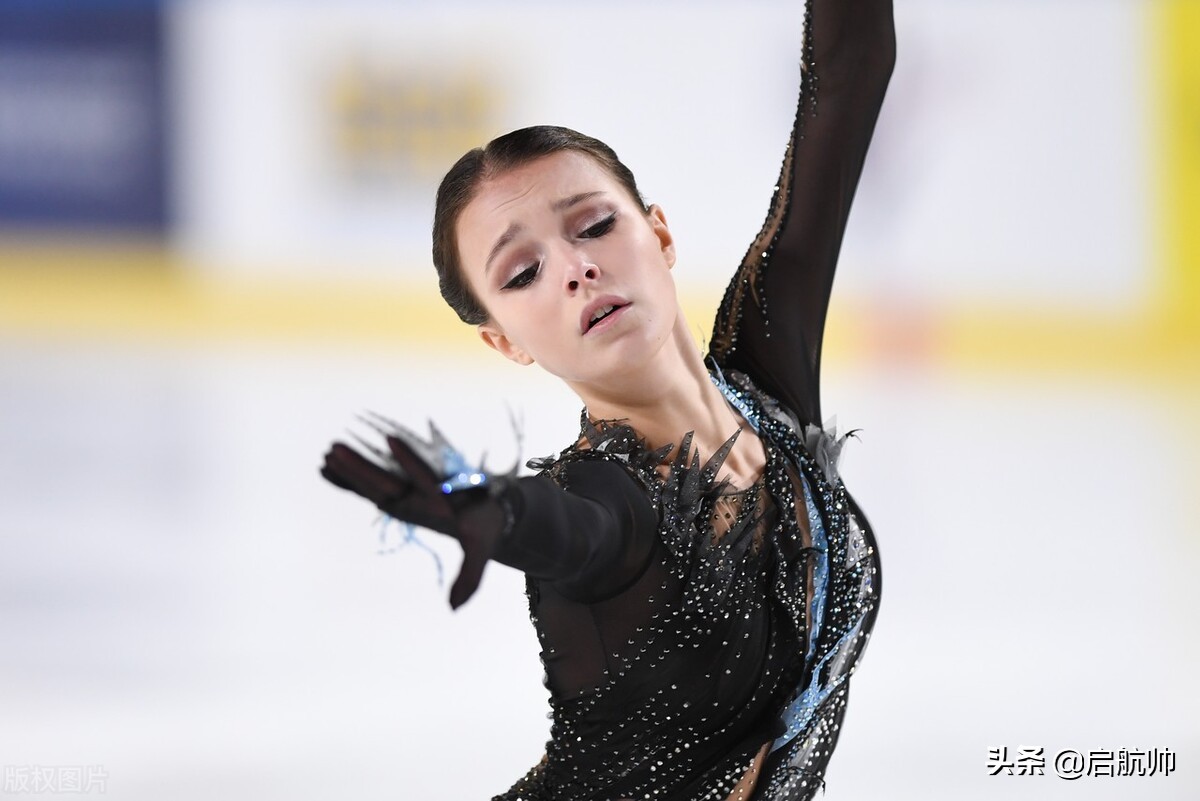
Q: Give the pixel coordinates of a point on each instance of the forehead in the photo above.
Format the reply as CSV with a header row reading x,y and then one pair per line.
x,y
516,195
544,180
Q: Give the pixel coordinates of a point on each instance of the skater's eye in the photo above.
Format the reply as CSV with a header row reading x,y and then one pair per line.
x,y
600,228
523,278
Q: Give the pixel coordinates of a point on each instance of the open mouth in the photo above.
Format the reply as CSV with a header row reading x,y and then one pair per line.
x,y
603,313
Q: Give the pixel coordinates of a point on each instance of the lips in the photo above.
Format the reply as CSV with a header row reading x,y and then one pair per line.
x,y
600,311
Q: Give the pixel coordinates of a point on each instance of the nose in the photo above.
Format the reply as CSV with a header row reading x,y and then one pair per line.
x,y
580,272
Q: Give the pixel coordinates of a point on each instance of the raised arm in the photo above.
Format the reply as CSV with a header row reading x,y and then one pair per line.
x,y
771,321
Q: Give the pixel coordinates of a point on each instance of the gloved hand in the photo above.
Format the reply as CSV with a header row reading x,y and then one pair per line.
x,y
425,483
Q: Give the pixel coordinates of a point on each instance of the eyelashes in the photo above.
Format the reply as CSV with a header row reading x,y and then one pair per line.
x,y
601,228
523,278
526,276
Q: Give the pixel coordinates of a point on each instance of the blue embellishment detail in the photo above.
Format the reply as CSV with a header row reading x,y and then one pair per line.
x,y
459,475
735,398
821,449
409,537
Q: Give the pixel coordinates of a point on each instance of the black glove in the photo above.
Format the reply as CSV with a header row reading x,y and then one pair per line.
x,y
425,482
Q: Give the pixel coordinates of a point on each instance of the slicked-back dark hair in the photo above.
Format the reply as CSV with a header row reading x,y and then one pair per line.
x,y
460,184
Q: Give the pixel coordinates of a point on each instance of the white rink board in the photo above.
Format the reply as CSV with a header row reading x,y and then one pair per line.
x,y
1011,161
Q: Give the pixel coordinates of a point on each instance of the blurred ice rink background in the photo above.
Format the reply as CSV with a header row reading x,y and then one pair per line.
x,y
214,252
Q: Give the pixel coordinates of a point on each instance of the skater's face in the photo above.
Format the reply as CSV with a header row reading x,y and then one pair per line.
x,y
573,273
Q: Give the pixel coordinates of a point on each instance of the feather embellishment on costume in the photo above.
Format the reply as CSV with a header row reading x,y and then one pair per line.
x,y
614,440
408,536
447,464
825,447
445,461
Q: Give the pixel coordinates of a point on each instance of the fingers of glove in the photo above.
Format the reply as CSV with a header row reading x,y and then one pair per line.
x,y
392,493
335,479
355,472
469,576
480,528
413,465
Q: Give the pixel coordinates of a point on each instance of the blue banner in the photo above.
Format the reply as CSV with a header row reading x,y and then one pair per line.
x,y
82,116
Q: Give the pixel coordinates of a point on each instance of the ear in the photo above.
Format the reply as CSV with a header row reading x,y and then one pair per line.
x,y
495,338
658,224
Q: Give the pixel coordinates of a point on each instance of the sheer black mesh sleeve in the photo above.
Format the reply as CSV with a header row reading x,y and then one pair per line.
x,y
771,320
592,541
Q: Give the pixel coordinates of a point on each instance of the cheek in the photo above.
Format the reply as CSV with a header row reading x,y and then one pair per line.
x,y
531,318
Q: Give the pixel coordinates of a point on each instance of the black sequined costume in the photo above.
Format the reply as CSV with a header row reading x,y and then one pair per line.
x,y
684,624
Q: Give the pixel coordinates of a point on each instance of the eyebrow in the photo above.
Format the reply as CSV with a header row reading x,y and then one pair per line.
x,y
511,232
509,235
574,200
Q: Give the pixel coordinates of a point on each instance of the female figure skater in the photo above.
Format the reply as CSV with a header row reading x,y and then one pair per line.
x,y
701,582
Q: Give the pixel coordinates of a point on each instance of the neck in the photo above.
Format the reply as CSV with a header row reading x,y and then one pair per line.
x,y
670,395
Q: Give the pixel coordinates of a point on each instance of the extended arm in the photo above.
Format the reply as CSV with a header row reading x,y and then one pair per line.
x,y
771,321
590,542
